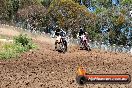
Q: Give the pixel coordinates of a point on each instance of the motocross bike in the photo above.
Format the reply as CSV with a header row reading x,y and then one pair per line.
x,y
60,44
84,43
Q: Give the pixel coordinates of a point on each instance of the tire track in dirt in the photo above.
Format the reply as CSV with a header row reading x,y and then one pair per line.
x,y
45,68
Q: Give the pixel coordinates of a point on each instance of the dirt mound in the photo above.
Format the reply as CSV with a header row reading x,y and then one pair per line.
x,y
45,68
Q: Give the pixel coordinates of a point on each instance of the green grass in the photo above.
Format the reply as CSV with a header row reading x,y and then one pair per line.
x,y
21,44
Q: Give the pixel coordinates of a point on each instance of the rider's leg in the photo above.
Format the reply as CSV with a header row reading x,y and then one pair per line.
x,y
55,44
80,42
65,42
57,41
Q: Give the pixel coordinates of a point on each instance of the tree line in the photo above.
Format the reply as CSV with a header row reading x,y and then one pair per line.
x,y
108,23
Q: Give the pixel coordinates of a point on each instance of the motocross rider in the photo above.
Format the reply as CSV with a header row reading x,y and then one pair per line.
x,y
82,33
60,35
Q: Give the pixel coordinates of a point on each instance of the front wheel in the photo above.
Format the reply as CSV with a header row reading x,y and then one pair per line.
x,y
62,47
86,46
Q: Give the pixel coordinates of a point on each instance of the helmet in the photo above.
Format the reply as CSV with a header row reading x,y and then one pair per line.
x,y
61,29
81,29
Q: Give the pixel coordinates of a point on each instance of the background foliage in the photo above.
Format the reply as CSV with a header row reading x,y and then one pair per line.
x,y
44,15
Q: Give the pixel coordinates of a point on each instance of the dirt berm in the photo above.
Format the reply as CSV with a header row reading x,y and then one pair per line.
x,y
45,68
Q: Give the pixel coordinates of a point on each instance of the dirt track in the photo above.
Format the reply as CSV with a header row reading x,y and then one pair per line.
x,y
45,68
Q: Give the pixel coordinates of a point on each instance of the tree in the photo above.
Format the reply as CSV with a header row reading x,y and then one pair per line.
x,y
46,3
34,14
70,14
2,6
3,10
26,3
126,2
100,3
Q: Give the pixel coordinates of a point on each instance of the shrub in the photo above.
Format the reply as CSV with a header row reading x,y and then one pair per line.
x,y
22,39
21,44
19,48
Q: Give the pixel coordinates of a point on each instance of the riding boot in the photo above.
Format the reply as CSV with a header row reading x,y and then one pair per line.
x,y
65,43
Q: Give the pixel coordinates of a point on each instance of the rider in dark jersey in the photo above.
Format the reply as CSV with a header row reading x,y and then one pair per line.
x,y
62,34
81,32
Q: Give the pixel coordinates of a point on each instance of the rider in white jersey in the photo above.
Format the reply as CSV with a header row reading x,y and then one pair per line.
x,y
60,35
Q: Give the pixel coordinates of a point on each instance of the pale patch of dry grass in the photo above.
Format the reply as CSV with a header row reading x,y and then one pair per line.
x,y
1,44
4,40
